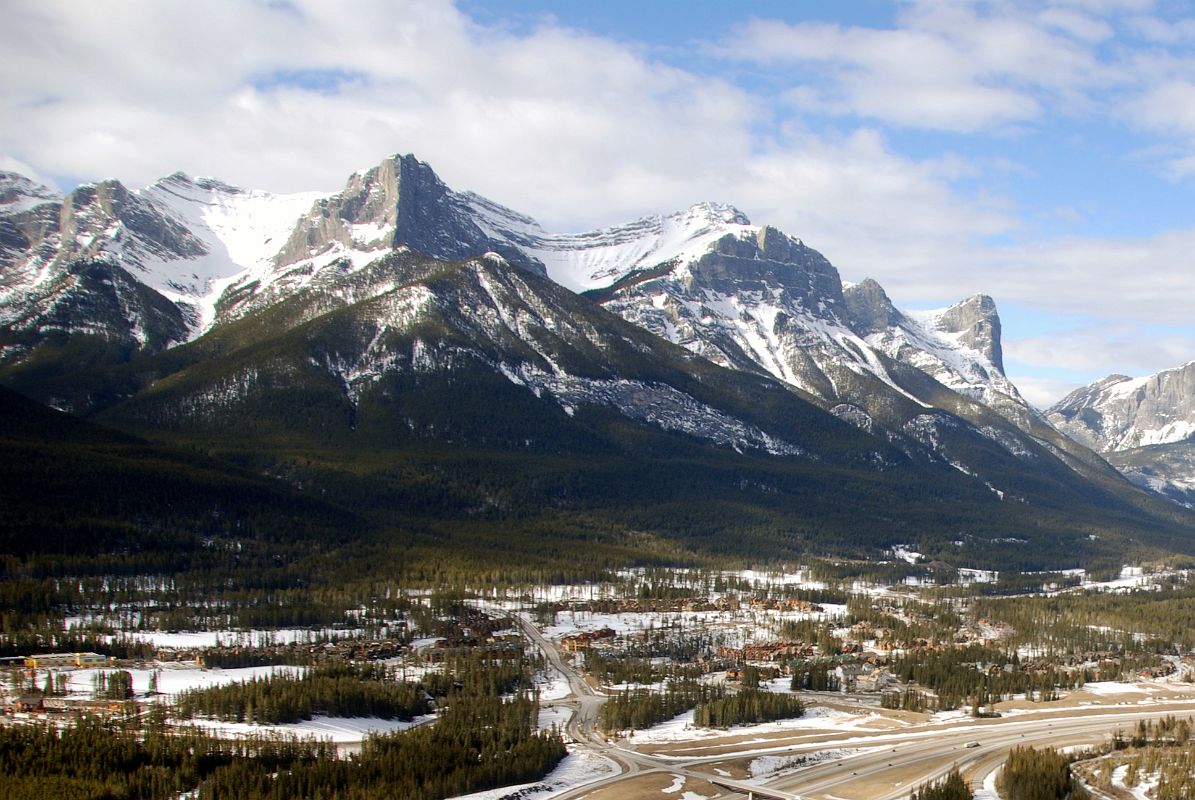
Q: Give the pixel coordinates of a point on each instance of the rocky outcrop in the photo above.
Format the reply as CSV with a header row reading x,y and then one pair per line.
x,y
869,310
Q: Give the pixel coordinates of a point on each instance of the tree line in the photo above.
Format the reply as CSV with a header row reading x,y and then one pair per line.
x,y
334,690
485,736
1044,774
747,707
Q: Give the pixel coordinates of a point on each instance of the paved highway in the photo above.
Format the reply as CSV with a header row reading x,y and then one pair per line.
x,y
883,766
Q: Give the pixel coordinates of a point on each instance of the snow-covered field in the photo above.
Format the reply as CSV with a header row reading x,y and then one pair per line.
x,y
577,769
173,678
182,640
769,768
340,730
1114,687
682,729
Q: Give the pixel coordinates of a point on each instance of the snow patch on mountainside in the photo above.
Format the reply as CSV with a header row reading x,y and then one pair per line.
x,y
1123,389
658,404
241,230
598,259
1176,431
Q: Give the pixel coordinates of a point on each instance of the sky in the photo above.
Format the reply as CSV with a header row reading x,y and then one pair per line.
x,y
1039,152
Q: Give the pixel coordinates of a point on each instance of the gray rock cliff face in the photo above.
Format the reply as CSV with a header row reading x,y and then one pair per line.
x,y
400,202
29,216
93,213
1120,413
73,265
869,310
1144,426
978,325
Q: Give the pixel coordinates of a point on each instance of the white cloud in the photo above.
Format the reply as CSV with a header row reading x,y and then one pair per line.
x,y
582,131
1042,392
1077,24
1168,107
1104,349
574,127
947,66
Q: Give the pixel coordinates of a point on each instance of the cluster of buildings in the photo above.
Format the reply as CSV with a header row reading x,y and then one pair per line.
x,y
60,660
586,639
784,604
501,648
36,703
767,652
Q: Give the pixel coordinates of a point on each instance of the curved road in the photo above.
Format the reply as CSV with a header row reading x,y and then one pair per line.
x,y
885,766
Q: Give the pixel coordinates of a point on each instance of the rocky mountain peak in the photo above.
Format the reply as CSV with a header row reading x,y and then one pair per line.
x,y
869,309
766,261
977,325
107,218
400,202
715,214
181,181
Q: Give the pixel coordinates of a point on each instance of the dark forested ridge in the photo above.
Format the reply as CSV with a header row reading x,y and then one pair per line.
x,y
78,489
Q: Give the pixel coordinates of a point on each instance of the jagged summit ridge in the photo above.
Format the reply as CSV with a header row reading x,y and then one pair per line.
x,y
195,257
744,295
595,260
220,251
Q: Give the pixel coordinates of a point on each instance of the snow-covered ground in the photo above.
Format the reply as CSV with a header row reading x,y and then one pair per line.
x,y
551,685
1146,786
553,716
988,792
769,768
577,769
173,678
1116,687
182,640
681,728
340,730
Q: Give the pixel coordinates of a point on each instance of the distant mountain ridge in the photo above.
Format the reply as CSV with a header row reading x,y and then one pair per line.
x,y
1145,426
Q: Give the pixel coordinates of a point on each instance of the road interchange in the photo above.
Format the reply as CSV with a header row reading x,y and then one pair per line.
x,y
878,765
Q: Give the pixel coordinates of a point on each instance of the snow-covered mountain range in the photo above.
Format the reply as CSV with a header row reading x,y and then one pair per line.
x,y
152,268
218,252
